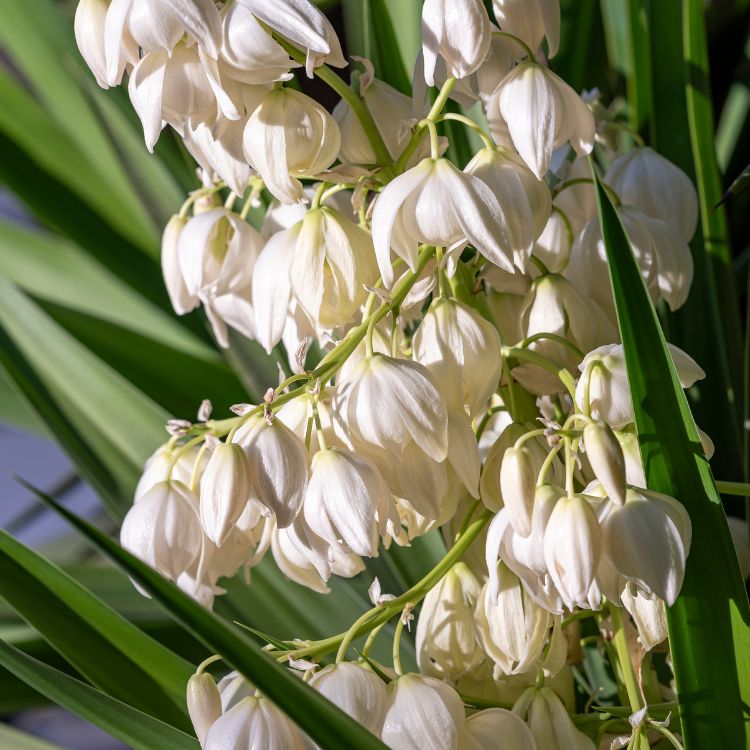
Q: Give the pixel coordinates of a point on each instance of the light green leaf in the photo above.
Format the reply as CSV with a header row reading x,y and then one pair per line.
x,y
319,718
709,624
107,425
138,730
42,48
18,740
109,651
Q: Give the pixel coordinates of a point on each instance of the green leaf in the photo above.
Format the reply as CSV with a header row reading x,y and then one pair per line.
x,y
709,624
42,48
138,730
707,326
388,33
110,652
740,183
107,426
326,724
18,740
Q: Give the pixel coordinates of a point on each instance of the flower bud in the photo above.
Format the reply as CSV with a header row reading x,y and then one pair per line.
x,y
512,628
163,528
288,135
278,466
422,713
182,300
456,31
549,721
606,458
462,350
484,728
356,690
203,704
531,94
446,635
225,491
572,549
518,484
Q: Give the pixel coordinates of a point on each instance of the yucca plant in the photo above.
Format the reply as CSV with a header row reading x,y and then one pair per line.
x,y
405,327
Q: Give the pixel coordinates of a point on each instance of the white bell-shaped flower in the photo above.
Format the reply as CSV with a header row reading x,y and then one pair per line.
x,y
182,300
462,350
217,251
347,501
203,704
332,264
647,540
649,615
607,459
225,491
549,721
289,135
553,305
387,403
524,200
356,690
456,31
447,643
572,549
512,628
484,729
253,723
554,244
391,111
422,713
278,466
89,26
158,26
307,559
662,255
608,387
177,88
249,51
531,21
643,178
304,25
218,147
437,204
163,528
165,463
542,112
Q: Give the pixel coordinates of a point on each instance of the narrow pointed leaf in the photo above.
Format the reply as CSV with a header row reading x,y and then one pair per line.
x,y
138,730
709,624
319,718
109,651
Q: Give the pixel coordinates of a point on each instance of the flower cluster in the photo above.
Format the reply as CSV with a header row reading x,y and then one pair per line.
x,y
452,354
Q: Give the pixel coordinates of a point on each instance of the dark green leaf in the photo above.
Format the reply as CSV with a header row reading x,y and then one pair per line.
x,y
109,651
709,624
138,730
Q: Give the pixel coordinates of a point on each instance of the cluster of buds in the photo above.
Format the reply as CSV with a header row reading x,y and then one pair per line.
x,y
471,350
